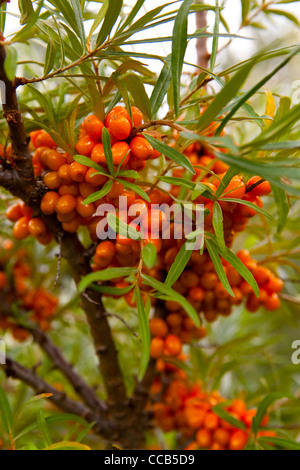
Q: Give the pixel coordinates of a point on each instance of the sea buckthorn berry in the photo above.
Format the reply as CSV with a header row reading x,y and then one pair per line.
x,y
204,200
85,146
120,153
54,160
14,212
236,189
173,346
153,221
43,139
211,421
261,275
174,320
52,180
98,155
37,227
77,172
63,218
204,438
64,174
116,190
272,302
84,210
105,252
65,204
3,281
95,179
208,281
120,127
189,279
73,225
48,203
141,149
26,210
233,276
86,189
274,284
135,164
238,440
137,116
197,294
44,238
156,347
20,230
221,436
93,127
158,327
71,189
116,111
262,189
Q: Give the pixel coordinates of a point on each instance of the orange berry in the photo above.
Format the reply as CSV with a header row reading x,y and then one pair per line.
x,y
211,421
37,227
272,302
86,190
261,275
98,155
14,212
44,238
153,221
54,160
65,204
204,438
49,202
116,111
236,189
73,225
263,189
66,217
173,346
189,279
209,281
120,153
52,180
141,149
84,210
120,127
116,190
94,179
64,174
93,127
274,284
238,440
105,252
3,280
85,146
71,189
77,172
221,436
44,139
20,230
137,116
156,347
197,294
158,327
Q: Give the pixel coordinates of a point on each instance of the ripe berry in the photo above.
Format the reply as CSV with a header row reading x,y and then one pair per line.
x,y
263,189
141,149
85,146
156,347
158,327
77,172
120,127
48,203
93,127
14,212
52,180
65,204
120,153
20,230
37,227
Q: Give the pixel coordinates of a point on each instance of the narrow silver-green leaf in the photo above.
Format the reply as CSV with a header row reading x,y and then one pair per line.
x,y
218,266
104,275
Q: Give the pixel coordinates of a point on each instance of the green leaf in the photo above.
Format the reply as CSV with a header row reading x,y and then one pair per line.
x,y
144,333
171,153
149,255
280,442
161,87
180,263
76,7
44,427
10,64
26,31
172,295
67,445
225,96
215,41
219,410
245,9
184,183
137,189
99,194
218,266
138,5
111,16
179,44
284,13
232,259
119,226
99,17
111,290
88,162
104,275
263,408
249,204
218,225
128,174
283,207
50,57
139,95
6,412
25,7
107,150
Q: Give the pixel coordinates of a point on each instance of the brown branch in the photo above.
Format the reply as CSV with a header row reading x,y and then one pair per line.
x,y
28,376
86,392
202,54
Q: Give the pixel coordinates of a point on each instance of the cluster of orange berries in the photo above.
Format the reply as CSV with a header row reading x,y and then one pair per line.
x,y
25,224
70,182
16,288
189,410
